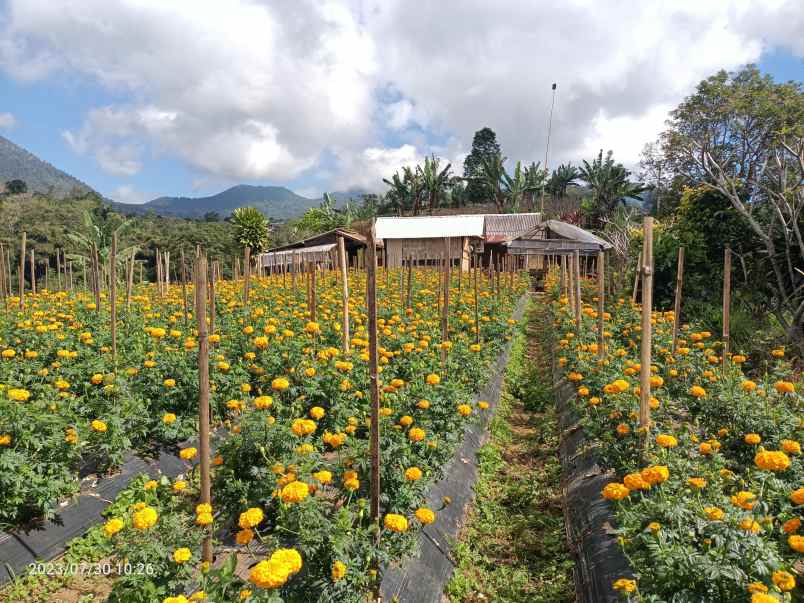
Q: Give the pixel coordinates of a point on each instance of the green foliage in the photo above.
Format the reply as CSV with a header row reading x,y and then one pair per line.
x,y
562,178
610,185
16,187
484,146
251,227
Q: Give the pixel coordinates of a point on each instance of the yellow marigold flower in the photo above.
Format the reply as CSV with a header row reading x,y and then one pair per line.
x,y
250,518
698,483
188,453
204,519
406,421
714,513
464,410
169,383
791,526
289,557
763,598
396,523
624,585
796,543
269,574
151,484
317,413
615,491
18,394
433,379
312,328
425,516
96,379
623,429
655,474
323,477
791,446
752,438
179,485
144,518
263,402
797,496
634,481
784,387
483,405
666,441
654,526
280,384
303,427
169,418
784,581
756,587
744,500
697,391
351,483
243,537
338,570
98,425
182,555
772,460
416,434
413,474
177,598
203,508
705,448
294,492
748,385
749,525
777,353
112,527
5,439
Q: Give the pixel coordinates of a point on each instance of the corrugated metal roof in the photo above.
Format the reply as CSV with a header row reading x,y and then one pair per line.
x,y
271,257
324,236
570,231
429,227
504,227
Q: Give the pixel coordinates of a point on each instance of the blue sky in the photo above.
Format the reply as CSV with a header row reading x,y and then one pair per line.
x,y
142,100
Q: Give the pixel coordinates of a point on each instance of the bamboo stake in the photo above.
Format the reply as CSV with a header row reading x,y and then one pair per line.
x,y
214,277
647,306
70,272
33,272
3,284
677,302
345,294
293,271
476,260
601,294
726,305
129,281
203,392
445,309
113,296
22,270
96,277
47,276
58,267
313,298
409,291
637,275
374,445
166,273
246,274
577,269
183,285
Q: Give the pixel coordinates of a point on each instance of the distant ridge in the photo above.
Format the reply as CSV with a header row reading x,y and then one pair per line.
x,y
277,202
18,164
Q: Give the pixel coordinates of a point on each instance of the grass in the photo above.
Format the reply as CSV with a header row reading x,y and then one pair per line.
x,y
513,549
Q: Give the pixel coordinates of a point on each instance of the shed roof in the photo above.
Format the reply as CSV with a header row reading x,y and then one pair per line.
x,y
504,227
329,236
570,231
429,227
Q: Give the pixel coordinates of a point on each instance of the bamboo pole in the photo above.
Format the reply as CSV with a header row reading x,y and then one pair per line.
x,y
58,267
293,272
445,308
22,270
33,272
726,305
214,277
69,271
246,274
166,273
636,276
601,294
3,284
113,296
183,285
47,276
647,306
344,294
677,301
313,297
129,281
409,291
203,392
96,277
577,269
476,260
374,444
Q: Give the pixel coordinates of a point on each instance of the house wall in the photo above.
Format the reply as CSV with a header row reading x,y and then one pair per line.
x,y
399,250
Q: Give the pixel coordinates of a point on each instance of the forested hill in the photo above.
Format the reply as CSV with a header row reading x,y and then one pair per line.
x,y
18,164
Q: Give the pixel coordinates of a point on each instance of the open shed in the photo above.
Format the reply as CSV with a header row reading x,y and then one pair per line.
x,y
320,249
551,240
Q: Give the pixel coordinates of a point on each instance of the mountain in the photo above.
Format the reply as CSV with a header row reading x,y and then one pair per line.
x,y
18,164
277,202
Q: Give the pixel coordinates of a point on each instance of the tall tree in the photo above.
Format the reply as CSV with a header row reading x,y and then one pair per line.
x,y
251,227
655,172
610,185
493,176
535,181
484,147
434,181
562,178
743,134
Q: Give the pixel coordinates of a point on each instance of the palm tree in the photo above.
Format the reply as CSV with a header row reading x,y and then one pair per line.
x,y
492,174
535,178
434,182
96,236
252,228
514,186
563,177
609,183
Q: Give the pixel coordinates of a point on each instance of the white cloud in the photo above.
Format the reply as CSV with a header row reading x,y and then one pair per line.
x,y
128,194
7,121
257,90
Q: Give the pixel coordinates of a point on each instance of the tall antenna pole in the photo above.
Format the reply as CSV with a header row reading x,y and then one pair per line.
x,y
547,148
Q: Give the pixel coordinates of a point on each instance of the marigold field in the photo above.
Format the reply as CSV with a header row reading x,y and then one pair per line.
x,y
709,500
289,411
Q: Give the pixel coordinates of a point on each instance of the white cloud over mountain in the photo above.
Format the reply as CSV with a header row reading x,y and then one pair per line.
x,y
260,90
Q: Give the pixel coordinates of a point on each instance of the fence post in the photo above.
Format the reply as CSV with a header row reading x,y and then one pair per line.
x,y
22,270
577,270
726,305
374,445
345,293
246,273
445,308
183,285
113,296
601,294
476,260
637,275
203,390
677,302
33,272
647,305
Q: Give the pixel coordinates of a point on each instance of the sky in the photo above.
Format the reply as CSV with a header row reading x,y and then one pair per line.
x,y
143,98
